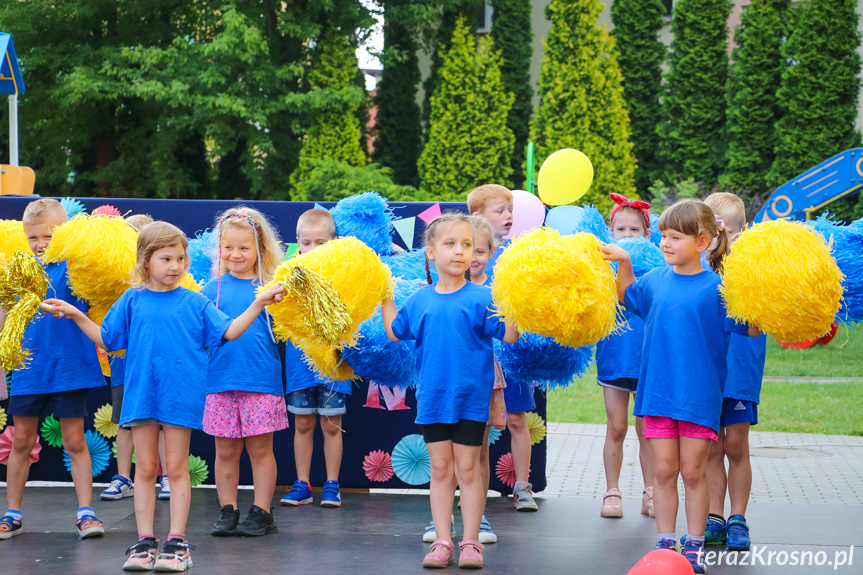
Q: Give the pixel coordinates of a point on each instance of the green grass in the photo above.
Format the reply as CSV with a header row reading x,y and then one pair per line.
x,y
792,407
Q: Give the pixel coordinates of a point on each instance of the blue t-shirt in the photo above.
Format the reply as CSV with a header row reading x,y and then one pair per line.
x,y
619,356
118,370
683,366
298,374
455,359
63,358
492,260
166,336
250,362
746,356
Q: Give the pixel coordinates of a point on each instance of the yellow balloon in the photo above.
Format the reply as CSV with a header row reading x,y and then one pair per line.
x,y
564,177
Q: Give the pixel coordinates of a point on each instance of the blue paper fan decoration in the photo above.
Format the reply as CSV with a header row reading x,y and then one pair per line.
x,y
847,244
410,460
368,218
203,253
493,435
72,206
100,453
375,357
410,265
540,358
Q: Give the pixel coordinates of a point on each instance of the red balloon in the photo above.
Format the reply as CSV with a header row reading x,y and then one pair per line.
x,y
662,562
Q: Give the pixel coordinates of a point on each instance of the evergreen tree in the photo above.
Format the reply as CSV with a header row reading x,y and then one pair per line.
x,y
512,32
753,110
693,142
819,90
335,132
469,141
581,99
636,29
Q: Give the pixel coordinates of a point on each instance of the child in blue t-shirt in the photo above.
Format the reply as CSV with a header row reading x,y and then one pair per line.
x,y
618,361
495,204
746,356
453,325
245,399
310,396
63,368
165,330
683,365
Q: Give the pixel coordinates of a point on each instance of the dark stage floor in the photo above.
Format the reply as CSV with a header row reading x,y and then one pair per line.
x,y
381,534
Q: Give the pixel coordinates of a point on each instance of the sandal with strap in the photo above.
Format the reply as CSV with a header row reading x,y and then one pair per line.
x,y
470,554
440,555
10,527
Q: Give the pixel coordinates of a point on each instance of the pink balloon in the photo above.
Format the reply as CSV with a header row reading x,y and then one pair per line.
x,y
528,212
662,562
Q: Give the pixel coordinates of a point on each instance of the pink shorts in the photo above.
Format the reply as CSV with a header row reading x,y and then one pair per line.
x,y
238,414
661,427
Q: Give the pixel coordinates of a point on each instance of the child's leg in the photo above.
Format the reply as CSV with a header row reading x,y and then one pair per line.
x,y
441,493
124,452
177,455
145,439
260,448
467,472
227,469
304,430
645,453
666,457
520,444
617,413
331,425
739,467
716,478
484,467
18,466
693,469
75,443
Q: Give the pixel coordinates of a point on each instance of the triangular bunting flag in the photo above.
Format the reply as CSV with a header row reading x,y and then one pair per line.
x,y
430,214
405,227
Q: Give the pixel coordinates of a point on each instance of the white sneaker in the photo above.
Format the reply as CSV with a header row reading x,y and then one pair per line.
x,y
120,488
164,488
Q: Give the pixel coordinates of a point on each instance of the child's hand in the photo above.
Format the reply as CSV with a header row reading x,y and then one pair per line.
x,y
59,308
614,253
271,295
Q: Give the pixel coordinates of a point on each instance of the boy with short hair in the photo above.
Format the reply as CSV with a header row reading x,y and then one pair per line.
x,y
63,367
494,203
746,357
309,395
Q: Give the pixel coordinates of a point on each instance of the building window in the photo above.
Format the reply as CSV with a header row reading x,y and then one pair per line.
x,y
483,17
669,4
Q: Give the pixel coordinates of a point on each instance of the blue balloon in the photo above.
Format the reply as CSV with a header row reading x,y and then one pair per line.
x,y
564,218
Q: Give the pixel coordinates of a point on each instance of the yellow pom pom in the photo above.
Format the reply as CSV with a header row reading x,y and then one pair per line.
x,y
100,255
344,268
23,285
188,282
12,238
781,277
558,286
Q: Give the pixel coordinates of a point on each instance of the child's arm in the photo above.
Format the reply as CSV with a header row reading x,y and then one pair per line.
x,y
389,312
754,331
625,275
239,326
59,308
511,335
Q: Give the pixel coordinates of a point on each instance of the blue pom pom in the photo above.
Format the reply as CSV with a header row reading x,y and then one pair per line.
x,y
539,358
366,217
644,254
375,357
409,265
593,222
203,254
655,234
72,206
847,243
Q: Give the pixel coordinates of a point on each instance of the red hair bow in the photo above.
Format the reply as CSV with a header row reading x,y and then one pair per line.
x,y
639,205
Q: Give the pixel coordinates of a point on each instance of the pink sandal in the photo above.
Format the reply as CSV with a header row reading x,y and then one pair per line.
x,y
470,554
440,555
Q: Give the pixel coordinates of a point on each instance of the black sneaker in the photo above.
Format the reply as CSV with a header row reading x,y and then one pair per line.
x,y
258,522
227,523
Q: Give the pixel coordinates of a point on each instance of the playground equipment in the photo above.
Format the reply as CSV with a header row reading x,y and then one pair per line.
x,y
14,179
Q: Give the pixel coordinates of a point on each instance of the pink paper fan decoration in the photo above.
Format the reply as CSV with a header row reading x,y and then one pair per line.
x,y
6,447
505,470
106,210
378,466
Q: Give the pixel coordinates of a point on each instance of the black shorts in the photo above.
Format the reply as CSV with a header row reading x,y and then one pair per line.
x,y
465,432
61,403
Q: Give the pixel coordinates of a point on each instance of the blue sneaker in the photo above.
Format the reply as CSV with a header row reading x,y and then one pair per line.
x,y
120,488
694,553
331,496
486,535
430,537
738,534
716,532
300,494
663,543
164,488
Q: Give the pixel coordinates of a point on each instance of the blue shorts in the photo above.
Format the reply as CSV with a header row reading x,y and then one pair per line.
x,y
738,411
518,396
629,384
71,403
152,421
321,400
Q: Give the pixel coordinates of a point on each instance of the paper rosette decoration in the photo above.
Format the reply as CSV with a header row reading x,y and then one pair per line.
x,y
505,470
198,470
106,210
102,421
72,206
378,466
536,427
100,453
2,418
494,435
114,451
410,460
51,432
6,446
